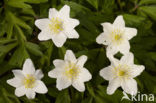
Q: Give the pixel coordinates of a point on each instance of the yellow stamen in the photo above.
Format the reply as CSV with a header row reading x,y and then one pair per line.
x,y
29,81
117,36
56,25
71,71
122,70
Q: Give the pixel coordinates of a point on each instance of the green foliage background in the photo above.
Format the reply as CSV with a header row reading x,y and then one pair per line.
x,y
18,41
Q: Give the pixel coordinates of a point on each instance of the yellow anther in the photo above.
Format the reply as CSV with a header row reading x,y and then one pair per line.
x,y
29,81
56,25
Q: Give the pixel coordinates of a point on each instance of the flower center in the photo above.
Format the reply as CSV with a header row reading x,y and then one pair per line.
x,y
122,71
117,36
71,71
29,81
56,25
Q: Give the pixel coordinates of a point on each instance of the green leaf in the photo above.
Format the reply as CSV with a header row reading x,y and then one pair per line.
x,y
23,3
19,56
147,2
149,10
133,19
63,97
94,3
15,20
34,49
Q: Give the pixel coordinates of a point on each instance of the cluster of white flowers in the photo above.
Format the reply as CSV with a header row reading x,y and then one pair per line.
x,y
120,72
71,71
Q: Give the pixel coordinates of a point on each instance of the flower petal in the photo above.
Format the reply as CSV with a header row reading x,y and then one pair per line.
x,y
84,75
107,73
18,73
58,63
119,22
129,86
21,91
113,85
30,93
111,51
70,23
137,70
59,39
40,88
128,58
42,23
124,47
79,85
72,34
28,67
65,10
107,27
81,61
15,82
45,34
69,56
39,74
130,32
55,73
62,83
52,13
103,39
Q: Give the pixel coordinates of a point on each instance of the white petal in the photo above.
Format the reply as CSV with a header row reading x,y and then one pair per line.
x,y
107,27
119,22
72,34
84,75
107,73
69,56
58,63
42,23
124,47
15,82
65,11
39,74
81,61
137,70
62,83
30,93
111,51
45,34
79,85
128,58
28,67
130,32
59,39
55,73
103,39
18,73
70,23
52,13
40,88
113,85
129,86
21,91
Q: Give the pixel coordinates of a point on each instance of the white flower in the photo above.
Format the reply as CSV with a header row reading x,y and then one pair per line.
x,y
27,81
121,73
70,71
116,36
58,27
